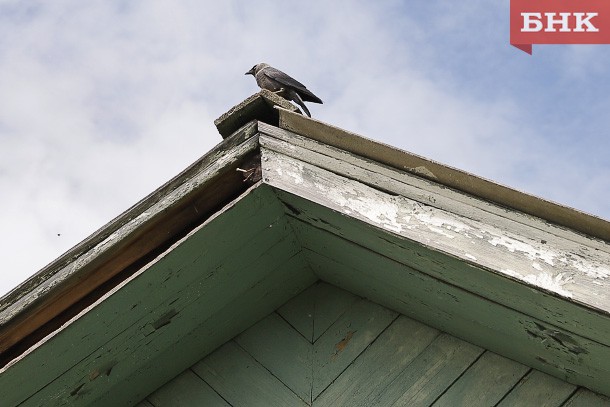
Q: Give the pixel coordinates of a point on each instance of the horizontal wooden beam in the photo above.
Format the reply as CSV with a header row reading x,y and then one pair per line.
x,y
446,175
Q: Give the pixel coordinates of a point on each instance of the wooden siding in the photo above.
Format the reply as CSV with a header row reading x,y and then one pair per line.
x,y
503,280
328,347
227,273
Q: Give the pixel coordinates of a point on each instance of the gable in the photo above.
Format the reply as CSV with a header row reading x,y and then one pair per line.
x,y
328,347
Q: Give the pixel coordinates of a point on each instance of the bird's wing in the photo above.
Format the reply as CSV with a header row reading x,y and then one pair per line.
x,y
287,80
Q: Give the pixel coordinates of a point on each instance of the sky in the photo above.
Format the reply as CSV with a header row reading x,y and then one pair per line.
x,y
103,101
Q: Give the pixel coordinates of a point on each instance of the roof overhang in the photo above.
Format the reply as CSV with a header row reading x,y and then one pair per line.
x,y
207,255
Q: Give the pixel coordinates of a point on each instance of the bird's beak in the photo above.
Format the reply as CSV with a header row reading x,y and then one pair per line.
x,y
250,72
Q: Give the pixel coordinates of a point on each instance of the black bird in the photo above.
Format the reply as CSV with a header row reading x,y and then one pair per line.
x,y
284,85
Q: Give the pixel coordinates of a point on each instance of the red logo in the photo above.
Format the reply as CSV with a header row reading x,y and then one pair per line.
x,y
559,22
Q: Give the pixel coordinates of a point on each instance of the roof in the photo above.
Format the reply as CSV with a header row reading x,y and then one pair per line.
x,y
207,255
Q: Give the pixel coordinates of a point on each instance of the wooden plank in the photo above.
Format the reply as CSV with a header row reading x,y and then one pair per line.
x,y
548,308
186,390
321,303
346,339
540,390
178,275
253,304
281,350
375,369
132,317
553,310
152,224
586,398
432,193
450,177
430,374
144,403
484,383
242,381
571,271
451,309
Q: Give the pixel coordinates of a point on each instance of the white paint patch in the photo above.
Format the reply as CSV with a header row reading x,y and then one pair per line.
x,y
537,266
597,272
470,256
379,212
514,245
550,282
440,232
544,280
511,273
440,222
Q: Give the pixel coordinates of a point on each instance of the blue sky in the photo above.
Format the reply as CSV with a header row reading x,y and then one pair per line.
x,y
103,101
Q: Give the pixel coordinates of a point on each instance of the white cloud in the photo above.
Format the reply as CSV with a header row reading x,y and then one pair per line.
x,y
103,101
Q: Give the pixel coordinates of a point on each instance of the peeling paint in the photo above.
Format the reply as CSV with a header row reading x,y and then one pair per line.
x,y
470,256
382,213
514,245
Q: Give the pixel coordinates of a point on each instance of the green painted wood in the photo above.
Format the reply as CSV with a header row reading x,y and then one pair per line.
x,y
550,309
157,307
586,398
454,310
540,390
144,403
237,313
283,351
430,374
346,339
242,381
322,303
368,376
135,303
484,383
186,390
409,363
162,328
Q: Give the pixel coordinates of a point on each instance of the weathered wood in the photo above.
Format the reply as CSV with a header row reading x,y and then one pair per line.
x,y
409,363
547,266
450,177
346,339
446,307
430,374
188,284
540,390
186,390
484,383
253,304
586,398
420,189
143,230
369,375
242,381
259,106
321,303
283,351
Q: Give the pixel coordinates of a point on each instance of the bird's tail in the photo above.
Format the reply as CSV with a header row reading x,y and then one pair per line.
x,y
294,96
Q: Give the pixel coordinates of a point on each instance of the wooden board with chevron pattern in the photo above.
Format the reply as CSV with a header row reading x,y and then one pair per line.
x,y
328,347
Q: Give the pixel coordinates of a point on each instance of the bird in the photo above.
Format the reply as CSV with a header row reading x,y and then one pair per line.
x,y
274,80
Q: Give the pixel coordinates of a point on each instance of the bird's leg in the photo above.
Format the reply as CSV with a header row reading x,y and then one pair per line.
x,y
280,91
